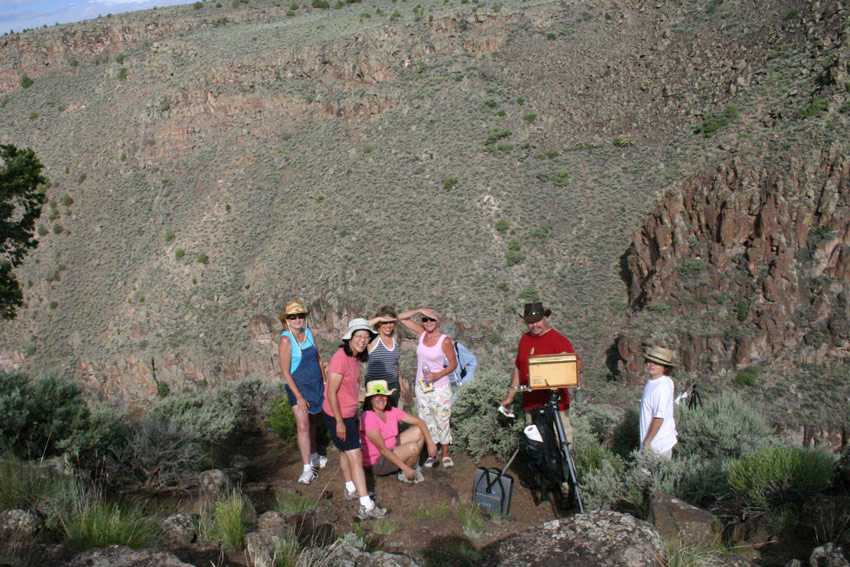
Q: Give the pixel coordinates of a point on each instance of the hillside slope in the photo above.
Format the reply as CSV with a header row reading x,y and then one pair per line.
x,y
211,163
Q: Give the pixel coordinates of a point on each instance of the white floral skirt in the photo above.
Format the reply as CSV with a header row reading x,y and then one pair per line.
x,y
435,409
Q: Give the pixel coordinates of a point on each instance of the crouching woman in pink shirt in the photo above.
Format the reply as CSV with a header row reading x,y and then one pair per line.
x,y
384,450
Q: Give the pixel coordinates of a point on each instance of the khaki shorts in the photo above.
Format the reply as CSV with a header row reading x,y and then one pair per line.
x,y
383,466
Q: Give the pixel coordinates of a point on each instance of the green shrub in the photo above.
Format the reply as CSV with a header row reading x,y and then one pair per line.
x,y
204,416
478,428
623,141
38,415
58,228
748,376
67,200
321,4
742,310
33,115
179,253
561,178
122,73
26,82
514,257
450,183
502,226
203,259
713,123
816,107
724,427
106,430
530,117
169,235
119,58
778,473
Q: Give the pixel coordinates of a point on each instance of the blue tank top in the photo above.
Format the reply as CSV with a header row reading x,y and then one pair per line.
x,y
296,348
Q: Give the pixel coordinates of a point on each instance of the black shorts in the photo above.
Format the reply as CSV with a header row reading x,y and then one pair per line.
x,y
352,432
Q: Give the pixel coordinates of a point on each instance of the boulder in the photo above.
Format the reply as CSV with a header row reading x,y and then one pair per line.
x,y
180,529
261,546
21,524
121,556
829,555
351,556
215,482
596,539
676,520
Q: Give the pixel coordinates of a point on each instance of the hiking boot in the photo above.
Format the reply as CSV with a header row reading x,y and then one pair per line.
x,y
375,512
351,495
418,477
319,462
308,476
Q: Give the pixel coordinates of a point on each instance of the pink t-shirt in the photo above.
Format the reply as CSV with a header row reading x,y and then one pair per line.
x,y
388,429
349,367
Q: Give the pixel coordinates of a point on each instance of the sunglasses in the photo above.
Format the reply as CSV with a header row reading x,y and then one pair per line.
x,y
296,316
427,319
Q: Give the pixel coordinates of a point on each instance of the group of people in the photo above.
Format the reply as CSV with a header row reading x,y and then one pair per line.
x,y
372,440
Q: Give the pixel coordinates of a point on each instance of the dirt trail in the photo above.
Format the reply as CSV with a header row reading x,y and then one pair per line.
x,y
421,516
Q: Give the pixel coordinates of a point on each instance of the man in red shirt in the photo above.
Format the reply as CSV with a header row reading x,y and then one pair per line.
x,y
540,339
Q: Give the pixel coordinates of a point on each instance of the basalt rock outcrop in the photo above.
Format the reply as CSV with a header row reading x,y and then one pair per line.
x,y
747,264
595,539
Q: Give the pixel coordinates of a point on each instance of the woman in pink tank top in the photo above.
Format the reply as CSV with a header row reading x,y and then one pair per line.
x,y
433,392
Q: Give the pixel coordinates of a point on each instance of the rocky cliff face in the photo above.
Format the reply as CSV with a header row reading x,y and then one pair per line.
x,y
756,259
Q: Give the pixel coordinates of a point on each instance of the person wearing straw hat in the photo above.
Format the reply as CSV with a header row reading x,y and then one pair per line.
x,y
384,450
657,426
339,411
304,376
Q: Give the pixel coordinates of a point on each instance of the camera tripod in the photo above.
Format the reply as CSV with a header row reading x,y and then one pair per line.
x,y
551,416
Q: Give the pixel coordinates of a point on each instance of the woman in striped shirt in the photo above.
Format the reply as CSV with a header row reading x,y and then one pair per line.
x,y
384,354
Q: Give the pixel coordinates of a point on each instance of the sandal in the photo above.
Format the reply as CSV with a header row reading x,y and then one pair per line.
x,y
447,462
429,462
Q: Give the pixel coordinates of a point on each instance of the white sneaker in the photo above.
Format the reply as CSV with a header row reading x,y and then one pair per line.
x,y
373,512
351,495
308,476
319,462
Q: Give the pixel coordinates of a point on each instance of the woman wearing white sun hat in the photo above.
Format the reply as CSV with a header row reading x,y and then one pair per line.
x,y
340,414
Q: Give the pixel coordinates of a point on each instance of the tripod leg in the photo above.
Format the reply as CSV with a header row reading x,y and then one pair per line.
x,y
562,438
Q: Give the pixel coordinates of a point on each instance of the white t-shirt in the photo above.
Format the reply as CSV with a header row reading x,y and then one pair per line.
x,y
657,401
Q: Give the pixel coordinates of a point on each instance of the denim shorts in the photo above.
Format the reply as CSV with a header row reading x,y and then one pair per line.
x,y
352,432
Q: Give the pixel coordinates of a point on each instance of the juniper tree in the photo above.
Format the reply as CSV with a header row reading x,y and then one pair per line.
x,y
21,198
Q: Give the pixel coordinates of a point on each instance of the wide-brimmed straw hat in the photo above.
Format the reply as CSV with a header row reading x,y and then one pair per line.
x,y
533,312
376,387
659,355
293,308
357,325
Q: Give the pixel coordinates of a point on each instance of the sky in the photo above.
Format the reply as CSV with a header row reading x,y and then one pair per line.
x,y
17,15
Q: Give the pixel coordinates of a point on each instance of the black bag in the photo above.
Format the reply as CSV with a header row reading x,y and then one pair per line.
x,y
544,458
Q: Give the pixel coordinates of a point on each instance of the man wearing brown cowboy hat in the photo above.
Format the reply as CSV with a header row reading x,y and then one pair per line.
x,y
657,426
540,339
